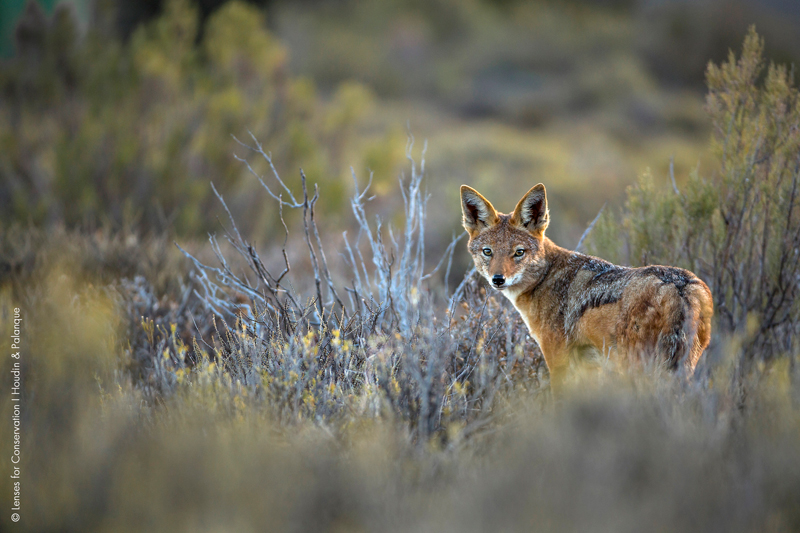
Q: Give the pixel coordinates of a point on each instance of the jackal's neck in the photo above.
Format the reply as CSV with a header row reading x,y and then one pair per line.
x,y
552,250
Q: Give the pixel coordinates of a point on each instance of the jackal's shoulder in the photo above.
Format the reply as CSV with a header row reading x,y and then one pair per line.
x,y
593,272
571,266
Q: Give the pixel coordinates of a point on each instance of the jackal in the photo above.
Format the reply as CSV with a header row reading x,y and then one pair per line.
x,y
571,301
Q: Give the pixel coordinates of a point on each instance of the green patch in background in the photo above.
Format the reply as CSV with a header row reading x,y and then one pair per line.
x,y
11,10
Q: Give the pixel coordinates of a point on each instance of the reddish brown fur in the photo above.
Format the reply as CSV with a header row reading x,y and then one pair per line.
x,y
570,300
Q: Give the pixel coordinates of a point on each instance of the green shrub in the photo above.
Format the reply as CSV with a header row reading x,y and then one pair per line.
x,y
739,227
100,131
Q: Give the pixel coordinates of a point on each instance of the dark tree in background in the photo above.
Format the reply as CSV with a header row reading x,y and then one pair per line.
x,y
133,13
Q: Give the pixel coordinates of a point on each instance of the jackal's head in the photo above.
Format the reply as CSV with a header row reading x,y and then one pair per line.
x,y
507,249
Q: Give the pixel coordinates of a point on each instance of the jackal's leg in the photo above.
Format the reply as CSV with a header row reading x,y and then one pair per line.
x,y
557,359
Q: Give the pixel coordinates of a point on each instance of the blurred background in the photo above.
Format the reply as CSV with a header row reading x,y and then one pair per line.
x,y
118,113
144,411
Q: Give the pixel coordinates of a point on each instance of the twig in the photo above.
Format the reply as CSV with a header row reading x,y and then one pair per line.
x,y
589,229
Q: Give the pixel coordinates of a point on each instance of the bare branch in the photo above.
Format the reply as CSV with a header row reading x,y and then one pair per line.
x,y
589,229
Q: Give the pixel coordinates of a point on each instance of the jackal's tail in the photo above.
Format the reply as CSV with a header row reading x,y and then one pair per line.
x,y
699,300
691,330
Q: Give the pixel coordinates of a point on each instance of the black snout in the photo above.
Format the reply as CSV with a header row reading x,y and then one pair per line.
x,y
498,280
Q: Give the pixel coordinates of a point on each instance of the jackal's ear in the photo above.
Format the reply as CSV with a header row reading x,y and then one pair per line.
x,y
479,214
531,212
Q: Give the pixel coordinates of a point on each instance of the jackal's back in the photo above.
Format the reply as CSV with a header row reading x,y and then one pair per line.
x,y
657,309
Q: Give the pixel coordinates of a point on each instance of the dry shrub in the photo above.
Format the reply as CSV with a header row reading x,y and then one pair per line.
x,y
391,343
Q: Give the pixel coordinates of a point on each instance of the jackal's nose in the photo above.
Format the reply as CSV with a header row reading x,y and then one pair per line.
x,y
498,280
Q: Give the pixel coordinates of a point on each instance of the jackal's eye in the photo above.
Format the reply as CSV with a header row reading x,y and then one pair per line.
x,y
519,253
487,252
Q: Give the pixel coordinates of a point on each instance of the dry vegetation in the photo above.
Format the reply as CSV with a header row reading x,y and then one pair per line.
x,y
244,389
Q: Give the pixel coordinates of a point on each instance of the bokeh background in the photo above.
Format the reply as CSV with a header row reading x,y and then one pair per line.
x,y
118,114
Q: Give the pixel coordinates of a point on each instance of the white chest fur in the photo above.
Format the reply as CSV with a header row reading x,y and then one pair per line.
x,y
512,294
